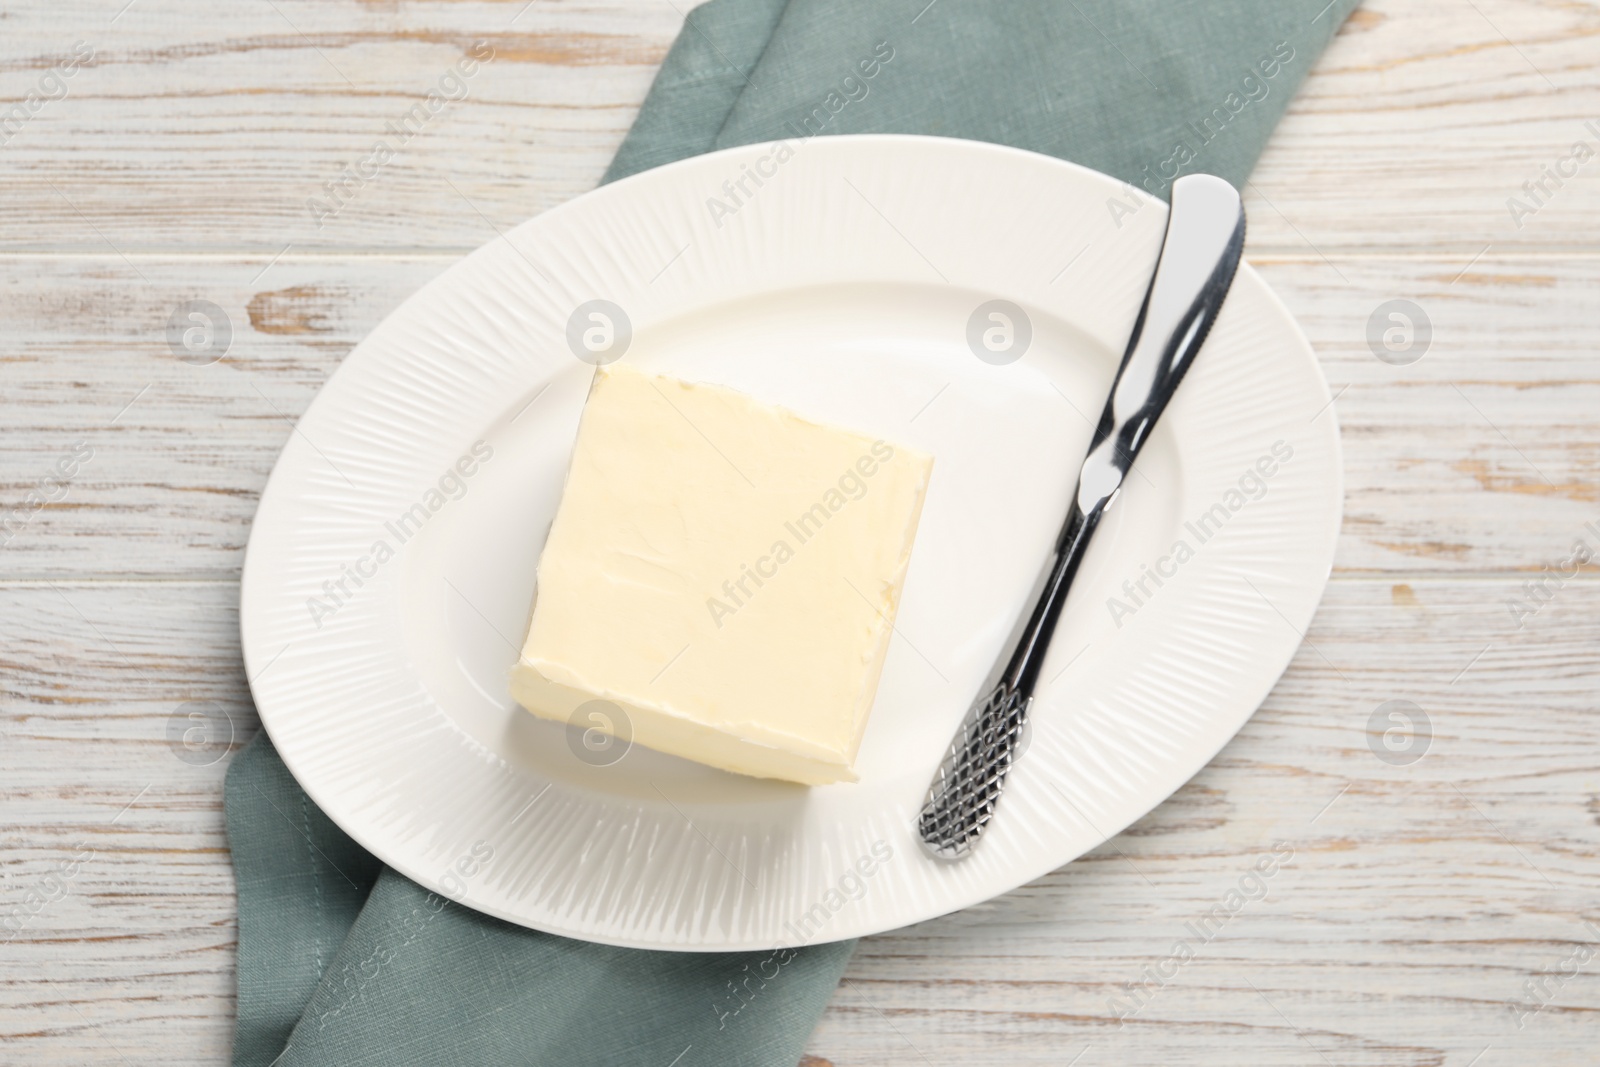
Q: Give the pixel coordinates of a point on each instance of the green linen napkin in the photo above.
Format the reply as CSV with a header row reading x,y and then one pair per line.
x,y
342,961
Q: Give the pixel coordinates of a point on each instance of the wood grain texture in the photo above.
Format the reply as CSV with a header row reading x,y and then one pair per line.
x,y
1417,125
1477,459
1421,898
1417,901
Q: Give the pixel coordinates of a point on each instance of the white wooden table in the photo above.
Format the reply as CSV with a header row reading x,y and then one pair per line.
x,y
1434,911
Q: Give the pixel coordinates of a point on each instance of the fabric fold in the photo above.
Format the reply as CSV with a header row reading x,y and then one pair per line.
x,y
705,71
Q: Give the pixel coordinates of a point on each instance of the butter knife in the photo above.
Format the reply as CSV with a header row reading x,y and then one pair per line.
x,y
1199,257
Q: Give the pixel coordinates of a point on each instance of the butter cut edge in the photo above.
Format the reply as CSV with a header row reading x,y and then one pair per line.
x,y
676,735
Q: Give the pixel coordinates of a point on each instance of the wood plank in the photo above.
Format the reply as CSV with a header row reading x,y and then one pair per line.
x,y
116,864
1419,898
1480,458
1418,125
1422,120
180,452
192,134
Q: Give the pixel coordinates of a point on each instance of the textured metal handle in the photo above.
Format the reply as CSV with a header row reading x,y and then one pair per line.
x,y
966,790
1199,257
967,787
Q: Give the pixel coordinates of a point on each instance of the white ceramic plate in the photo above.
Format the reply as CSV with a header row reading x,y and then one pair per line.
x,y
842,287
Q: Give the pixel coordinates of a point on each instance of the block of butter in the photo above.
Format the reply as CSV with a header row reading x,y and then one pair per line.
x,y
726,574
